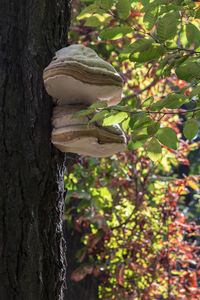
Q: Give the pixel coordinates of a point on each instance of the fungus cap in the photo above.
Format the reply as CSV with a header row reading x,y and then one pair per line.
x,y
77,75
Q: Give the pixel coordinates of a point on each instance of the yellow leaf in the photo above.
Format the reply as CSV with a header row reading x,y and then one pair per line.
x,y
192,184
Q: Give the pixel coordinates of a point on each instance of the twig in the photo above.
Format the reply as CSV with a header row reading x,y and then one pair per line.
x,y
140,91
174,112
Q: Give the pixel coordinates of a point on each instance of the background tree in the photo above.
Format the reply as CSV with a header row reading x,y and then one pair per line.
x,y
32,258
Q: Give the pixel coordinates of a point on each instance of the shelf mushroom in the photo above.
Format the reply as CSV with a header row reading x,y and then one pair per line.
x,y
76,78
78,75
75,135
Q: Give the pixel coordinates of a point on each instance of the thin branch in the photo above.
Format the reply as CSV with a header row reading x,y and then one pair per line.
x,y
140,91
174,112
180,111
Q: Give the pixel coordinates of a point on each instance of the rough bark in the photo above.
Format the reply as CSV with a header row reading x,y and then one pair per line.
x,y
32,263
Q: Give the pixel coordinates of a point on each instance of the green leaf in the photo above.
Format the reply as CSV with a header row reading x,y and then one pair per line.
x,y
167,27
144,50
158,105
168,137
135,145
190,129
107,4
144,122
84,112
181,60
99,18
175,100
93,21
197,15
102,104
121,108
150,18
152,129
195,91
115,119
154,150
98,116
197,114
140,134
124,8
147,102
162,65
189,70
125,124
183,37
193,34
88,11
115,33
135,117
167,71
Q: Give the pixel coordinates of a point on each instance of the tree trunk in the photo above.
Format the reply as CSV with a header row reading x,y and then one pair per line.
x,y
32,260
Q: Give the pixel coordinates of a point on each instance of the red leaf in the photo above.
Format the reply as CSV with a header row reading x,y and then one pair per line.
x,y
121,275
78,275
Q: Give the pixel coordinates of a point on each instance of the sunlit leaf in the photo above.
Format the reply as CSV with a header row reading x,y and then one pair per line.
x,y
137,144
168,137
193,34
114,33
154,149
167,26
98,116
88,11
98,18
147,102
193,185
115,119
93,21
150,18
144,50
190,129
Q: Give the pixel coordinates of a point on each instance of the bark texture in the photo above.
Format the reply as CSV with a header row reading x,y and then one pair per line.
x,y
32,260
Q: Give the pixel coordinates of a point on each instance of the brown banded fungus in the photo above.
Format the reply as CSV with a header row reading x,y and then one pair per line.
x,y
78,75
76,78
75,135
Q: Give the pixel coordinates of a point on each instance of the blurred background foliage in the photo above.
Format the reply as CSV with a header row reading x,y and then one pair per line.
x,y
137,213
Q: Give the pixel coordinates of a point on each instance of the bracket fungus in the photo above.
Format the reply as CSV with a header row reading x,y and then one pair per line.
x,y
78,75
75,135
76,78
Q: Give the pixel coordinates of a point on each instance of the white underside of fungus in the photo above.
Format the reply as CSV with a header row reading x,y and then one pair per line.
x,y
62,87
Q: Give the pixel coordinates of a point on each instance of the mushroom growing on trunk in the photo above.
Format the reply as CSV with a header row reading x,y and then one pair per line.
x,y
77,75
76,78
75,135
